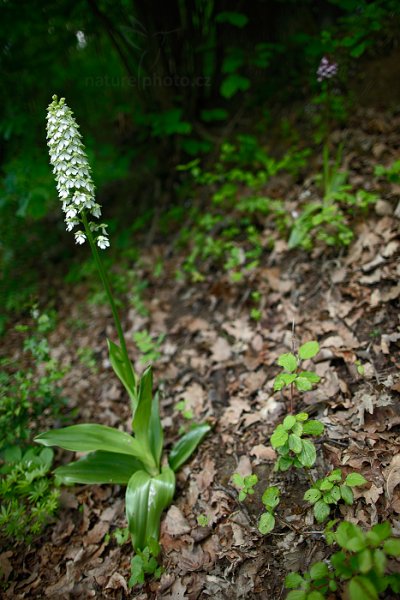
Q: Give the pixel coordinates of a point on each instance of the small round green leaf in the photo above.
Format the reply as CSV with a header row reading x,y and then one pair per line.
x,y
354,479
303,416
308,454
321,511
288,422
312,495
361,588
379,560
346,494
296,595
365,560
313,427
319,570
279,437
295,443
303,384
392,547
288,362
308,350
270,497
266,523
293,580
314,595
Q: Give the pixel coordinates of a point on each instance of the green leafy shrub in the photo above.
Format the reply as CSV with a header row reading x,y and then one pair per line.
x,y
149,348
330,490
287,440
29,393
270,499
244,484
29,498
360,566
292,375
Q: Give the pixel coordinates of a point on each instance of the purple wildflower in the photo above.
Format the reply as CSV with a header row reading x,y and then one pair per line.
x,y
326,69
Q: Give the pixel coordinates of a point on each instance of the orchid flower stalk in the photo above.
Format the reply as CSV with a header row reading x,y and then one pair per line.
x,y
77,193
112,456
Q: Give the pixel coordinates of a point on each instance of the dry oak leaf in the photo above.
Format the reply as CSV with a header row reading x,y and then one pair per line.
x,y
175,523
262,453
221,350
392,475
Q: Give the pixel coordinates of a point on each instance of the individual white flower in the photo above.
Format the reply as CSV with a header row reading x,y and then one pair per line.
x,y
102,242
72,170
80,237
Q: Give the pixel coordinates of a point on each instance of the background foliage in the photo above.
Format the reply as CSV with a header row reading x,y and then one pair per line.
x,y
150,81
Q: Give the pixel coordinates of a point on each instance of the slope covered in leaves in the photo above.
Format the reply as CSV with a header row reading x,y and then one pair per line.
x,y
218,364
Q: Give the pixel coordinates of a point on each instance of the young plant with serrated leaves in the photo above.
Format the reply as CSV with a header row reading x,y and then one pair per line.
x,y
313,585
244,484
360,570
145,563
293,376
28,495
270,499
288,440
113,456
148,347
329,491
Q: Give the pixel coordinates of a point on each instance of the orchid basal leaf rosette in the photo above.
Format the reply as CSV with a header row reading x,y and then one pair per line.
x,y
112,456
73,174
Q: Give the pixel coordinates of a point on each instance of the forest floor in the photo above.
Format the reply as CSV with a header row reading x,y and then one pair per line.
x,y
222,364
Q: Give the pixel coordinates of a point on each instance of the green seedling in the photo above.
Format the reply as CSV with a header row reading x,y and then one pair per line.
x,y
148,347
145,563
28,494
329,491
270,499
313,585
357,571
244,485
202,520
288,440
121,535
293,376
87,358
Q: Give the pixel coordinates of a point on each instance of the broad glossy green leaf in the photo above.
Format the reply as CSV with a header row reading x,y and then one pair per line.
x,y
146,497
89,437
100,467
188,443
141,420
124,372
156,430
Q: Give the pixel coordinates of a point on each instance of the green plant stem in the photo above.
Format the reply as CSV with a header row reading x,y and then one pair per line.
x,y
107,288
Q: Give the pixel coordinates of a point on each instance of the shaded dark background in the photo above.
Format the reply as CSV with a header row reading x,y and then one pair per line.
x,y
154,85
